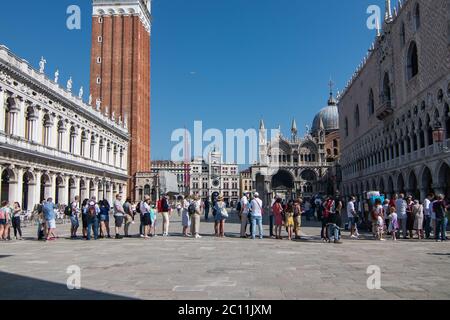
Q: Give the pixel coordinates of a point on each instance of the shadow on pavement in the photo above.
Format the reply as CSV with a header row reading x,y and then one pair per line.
x,y
15,287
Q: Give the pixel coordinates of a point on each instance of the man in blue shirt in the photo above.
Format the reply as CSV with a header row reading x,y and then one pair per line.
x,y
48,210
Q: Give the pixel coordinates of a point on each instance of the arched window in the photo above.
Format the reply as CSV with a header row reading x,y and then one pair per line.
x,y
84,138
100,150
386,88
92,151
30,122
429,131
61,131
357,116
421,135
346,127
47,124
417,16
403,34
447,120
108,152
371,103
73,135
413,61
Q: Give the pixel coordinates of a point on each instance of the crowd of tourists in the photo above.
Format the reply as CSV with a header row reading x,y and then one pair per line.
x,y
401,216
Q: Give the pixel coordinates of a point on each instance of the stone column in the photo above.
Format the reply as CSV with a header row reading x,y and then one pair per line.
x,y
34,127
84,192
16,187
423,194
438,189
124,190
37,188
52,188
94,191
13,125
77,144
21,119
74,190
63,191
109,195
100,191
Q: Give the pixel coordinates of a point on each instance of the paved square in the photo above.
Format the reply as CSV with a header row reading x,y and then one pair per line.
x,y
230,268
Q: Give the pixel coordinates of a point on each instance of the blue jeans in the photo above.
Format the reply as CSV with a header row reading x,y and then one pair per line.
x,y
257,221
92,223
427,227
440,231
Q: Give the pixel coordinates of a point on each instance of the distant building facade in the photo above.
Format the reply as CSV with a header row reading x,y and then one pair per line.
x,y
215,176
52,144
394,113
245,181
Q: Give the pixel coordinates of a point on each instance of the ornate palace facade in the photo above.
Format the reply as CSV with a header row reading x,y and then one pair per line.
x,y
52,144
394,113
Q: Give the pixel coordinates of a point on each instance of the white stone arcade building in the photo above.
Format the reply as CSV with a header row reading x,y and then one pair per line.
x,y
52,144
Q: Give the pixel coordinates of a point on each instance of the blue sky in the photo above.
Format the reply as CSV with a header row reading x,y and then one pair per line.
x,y
226,62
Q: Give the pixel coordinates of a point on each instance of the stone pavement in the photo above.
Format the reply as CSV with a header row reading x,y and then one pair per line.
x,y
229,268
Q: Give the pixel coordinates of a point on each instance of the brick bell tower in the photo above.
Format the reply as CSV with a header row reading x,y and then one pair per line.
x,y
120,72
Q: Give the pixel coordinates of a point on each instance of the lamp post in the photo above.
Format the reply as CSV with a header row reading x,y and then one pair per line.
x,y
438,136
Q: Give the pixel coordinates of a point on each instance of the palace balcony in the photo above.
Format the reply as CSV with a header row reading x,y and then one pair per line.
x,y
385,110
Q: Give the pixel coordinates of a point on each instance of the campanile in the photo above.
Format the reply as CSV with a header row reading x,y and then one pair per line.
x,y
120,71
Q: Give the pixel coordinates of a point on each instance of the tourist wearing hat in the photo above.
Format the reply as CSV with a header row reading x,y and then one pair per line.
x,y
221,216
195,217
257,214
245,206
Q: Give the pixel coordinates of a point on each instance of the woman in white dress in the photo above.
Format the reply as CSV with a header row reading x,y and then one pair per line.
x,y
186,220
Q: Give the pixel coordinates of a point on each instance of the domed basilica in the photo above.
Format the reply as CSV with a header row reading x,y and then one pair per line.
x,y
300,166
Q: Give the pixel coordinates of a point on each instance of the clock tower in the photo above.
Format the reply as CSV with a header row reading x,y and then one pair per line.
x,y
120,72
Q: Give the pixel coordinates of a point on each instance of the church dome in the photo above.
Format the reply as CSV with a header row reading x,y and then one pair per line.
x,y
329,116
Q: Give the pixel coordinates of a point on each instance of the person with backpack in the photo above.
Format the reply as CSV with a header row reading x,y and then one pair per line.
x,y
84,217
104,218
73,212
439,210
146,216
92,212
129,217
50,218
196,209
166,210
119,214
141,219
